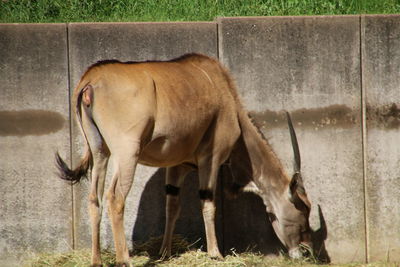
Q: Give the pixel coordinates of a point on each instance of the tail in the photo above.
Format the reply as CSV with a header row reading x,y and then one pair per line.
x,y
74,176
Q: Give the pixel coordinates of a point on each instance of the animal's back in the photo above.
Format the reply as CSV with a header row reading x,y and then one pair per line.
x,y
179,100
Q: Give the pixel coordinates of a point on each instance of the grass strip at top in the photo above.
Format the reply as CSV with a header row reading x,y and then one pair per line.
x,y
39,11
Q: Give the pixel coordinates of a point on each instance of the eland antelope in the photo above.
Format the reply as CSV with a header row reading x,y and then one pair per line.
x,y
181,114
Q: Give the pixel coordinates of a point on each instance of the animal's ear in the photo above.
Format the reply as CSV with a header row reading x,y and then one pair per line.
x,y
297,194
293,185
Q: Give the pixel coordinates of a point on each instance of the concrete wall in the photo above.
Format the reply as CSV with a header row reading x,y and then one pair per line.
x,y
336,75
35,206
309,66
381,64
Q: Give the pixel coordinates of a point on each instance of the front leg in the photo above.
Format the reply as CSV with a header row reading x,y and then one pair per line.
x,y
208,174
208,209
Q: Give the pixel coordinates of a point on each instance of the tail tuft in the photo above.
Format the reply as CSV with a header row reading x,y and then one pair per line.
x,y
73,176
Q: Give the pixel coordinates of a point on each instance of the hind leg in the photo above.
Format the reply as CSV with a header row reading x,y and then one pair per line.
x,y
174,179
100,156
126,158
95,203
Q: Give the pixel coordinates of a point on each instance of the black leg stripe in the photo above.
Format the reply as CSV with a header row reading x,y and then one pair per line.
x,y
206,194
171,190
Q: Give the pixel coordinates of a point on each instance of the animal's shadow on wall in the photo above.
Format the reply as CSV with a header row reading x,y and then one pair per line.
x,y
318,237
150,219
241,223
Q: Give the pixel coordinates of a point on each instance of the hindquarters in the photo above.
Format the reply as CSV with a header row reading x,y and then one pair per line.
x,y
95,146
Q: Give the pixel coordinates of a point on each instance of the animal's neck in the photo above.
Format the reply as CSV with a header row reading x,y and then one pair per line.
x,y
267,170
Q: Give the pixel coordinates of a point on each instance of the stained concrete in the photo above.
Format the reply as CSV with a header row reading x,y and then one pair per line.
x,y
30,122
35,209
381,64
145,213
309,66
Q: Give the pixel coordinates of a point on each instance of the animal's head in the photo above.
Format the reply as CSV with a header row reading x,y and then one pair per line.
x,y
286,200
290,218
289,211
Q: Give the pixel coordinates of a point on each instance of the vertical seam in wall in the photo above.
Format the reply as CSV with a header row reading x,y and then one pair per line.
x,y
364,139
217,36
70,139
222,173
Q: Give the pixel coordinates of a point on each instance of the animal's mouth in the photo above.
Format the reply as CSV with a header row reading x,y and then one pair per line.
x,y
306,245
304,250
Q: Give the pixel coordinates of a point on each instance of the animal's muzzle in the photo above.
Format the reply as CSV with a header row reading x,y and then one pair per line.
x,y
304,250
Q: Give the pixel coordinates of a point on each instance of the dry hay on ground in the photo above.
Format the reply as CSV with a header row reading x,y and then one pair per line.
x,y
146,255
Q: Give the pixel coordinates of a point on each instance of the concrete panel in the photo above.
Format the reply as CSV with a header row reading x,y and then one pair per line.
x,y
35,209
381,64
89,43
309,66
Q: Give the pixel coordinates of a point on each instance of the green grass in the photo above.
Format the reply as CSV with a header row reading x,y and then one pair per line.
x,y
23,11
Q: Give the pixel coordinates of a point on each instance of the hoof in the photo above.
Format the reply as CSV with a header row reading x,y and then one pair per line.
x,y
163,257
215,255
164,254
123,264
96,265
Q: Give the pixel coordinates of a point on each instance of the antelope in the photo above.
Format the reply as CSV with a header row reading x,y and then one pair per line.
x,y
181,114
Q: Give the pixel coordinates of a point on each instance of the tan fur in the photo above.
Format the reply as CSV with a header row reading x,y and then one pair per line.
x,y
174,114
